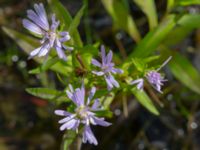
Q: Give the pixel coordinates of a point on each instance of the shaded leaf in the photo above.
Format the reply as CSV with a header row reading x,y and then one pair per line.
x,y
144,99
153,39
148,7
185,72
185,25
48,94
121,17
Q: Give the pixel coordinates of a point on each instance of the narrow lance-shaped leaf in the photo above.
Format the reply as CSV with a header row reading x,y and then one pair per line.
x,y
144,99
154,38
76,21
185,72
122,18
187,2
48,94
148,7
184,26
170,5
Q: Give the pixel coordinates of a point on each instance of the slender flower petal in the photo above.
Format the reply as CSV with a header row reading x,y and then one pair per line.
x,y
37,23
139,82
155,79
84,114
107,68
89,136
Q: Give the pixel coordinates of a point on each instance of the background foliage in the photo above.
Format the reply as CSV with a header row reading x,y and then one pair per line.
x,y
132,29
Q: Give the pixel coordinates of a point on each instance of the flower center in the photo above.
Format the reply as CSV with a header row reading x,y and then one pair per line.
x,y
154,77
82,112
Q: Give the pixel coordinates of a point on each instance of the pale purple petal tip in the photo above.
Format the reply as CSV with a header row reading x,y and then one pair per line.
x,y
88,136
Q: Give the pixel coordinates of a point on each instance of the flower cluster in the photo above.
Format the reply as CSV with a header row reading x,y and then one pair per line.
x,y
38,24
85,108
153,77
107,68
84,113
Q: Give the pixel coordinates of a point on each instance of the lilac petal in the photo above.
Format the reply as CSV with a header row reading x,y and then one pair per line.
x,y
101,122
103,54
65,38
35,52
92,92
82,92
96,104
115,70
99,73
34,17
67,47
62,113
78,97
69,94
61,54
109,57
55,23
139,82
89,136
109,83
64,33
69,125
71,88
113,81
44,50
31,27
66,119
39,8
96,63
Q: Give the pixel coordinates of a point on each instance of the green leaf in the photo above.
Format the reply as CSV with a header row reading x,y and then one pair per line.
x,y
154,38
64,16
187,2
144,99
170,5
50,62
185,25
68,139
139,64
185,72
104,113
148,7
121,17
48,94
87,52
76,21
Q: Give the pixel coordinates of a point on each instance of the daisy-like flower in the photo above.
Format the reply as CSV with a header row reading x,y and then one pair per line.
x,y
153,77
84,113
38,24
107,68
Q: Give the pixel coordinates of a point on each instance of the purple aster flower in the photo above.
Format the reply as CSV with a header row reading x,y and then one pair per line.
x,y
84,113
107,68
38,24
153,77
139,82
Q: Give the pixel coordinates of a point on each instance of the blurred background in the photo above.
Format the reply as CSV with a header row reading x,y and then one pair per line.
x,y
28,122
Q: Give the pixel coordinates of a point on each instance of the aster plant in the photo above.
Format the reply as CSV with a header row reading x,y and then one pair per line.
x,y
154,78
38,24
84,113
